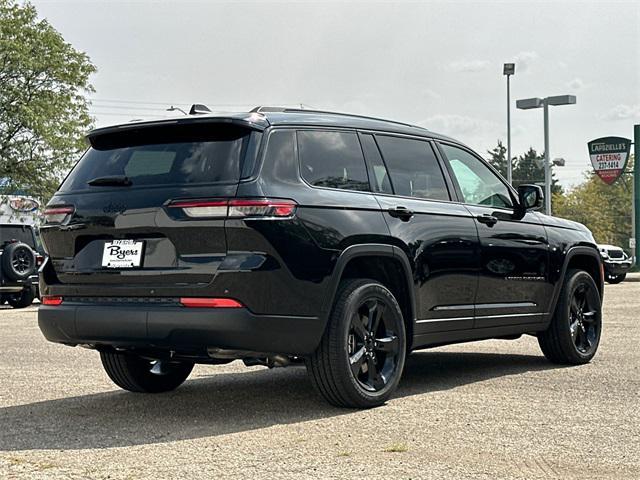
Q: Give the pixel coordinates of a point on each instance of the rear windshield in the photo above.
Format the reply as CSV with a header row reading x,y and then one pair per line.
x,y
21,233
167,155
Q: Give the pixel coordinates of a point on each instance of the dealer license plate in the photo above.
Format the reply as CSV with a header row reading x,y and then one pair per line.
x,y
122,254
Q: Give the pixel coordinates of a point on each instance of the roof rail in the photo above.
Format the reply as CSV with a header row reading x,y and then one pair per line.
x,y
261,109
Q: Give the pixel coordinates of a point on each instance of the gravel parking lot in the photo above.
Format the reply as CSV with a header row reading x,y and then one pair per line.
x,y
494,409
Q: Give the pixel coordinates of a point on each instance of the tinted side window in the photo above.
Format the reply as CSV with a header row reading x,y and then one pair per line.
x,y
413,167
378,174
332,159
479,185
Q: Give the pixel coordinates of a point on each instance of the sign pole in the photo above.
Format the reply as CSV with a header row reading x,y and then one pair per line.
x,y
547,162
636,188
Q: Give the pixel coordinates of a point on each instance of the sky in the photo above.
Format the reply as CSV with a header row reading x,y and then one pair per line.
x,y
437,64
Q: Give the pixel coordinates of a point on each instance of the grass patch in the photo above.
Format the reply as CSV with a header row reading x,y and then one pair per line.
x,y
396,448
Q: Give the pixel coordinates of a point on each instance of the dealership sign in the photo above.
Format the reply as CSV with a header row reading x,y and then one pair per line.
x,y
609,157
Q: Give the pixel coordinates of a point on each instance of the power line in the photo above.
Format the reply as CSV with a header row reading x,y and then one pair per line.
x,y
139,102
127,107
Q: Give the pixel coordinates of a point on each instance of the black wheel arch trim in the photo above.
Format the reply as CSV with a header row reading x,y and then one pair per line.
x,y
368,250
572,252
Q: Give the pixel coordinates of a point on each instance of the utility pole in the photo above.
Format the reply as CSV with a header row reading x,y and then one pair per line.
x,y
547,162
508,70
636,188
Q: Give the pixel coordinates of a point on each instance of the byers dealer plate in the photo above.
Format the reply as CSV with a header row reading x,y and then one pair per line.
x,y
122,254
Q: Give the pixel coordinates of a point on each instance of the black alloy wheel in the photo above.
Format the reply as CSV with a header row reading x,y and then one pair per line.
x,y
584,318
574,333
22,261
374,345
360,359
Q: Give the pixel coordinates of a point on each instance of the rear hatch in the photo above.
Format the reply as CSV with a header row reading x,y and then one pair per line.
x,y
113,222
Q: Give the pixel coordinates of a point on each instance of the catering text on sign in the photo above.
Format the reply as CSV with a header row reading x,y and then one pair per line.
x,y
609,157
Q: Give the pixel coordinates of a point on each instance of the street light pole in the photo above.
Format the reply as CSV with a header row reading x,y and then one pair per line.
x,y
508,70
529,103
547,164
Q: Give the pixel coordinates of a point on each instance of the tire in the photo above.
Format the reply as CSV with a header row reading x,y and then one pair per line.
x,y
136,374
22,299
360,308
574,333
613,279
18,261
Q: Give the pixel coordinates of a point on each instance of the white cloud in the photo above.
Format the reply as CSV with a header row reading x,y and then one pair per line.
x,y
622,112
576,84
523,61
429,94
468,65
458,125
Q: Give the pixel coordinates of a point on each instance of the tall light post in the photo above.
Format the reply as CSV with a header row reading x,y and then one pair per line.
x,y
508,70
529,103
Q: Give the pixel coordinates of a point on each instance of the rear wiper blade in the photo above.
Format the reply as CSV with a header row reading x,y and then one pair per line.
x,y
111,181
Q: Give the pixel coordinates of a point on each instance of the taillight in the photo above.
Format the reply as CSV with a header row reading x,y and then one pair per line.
x,y
203,208
58,214
51,300
39,260
240,208
237,208
200,302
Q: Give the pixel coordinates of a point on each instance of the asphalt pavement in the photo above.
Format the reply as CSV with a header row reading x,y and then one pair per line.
x,y
492,409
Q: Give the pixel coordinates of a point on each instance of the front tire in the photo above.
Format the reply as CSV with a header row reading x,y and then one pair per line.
x,y
136,374
574,333
360,359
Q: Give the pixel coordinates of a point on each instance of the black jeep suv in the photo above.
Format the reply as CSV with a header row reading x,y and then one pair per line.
x,y
19,259
285,236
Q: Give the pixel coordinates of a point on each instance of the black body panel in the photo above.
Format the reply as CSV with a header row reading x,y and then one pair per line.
x,y
457,278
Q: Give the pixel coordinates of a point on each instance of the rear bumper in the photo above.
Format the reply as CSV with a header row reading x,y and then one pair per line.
x,y
177,328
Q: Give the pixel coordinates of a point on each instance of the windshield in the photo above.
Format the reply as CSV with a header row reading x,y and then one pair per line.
x,y
164,157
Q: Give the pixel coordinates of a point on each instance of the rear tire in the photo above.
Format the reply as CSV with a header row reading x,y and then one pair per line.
x,y
136,374
360,359
613,279
574,333
22,299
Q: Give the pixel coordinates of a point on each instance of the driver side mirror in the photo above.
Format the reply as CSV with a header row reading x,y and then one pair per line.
x,y
530,197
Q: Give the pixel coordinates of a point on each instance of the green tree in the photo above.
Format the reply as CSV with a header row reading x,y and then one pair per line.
x,y
605,209
527,168
43,107
498,158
